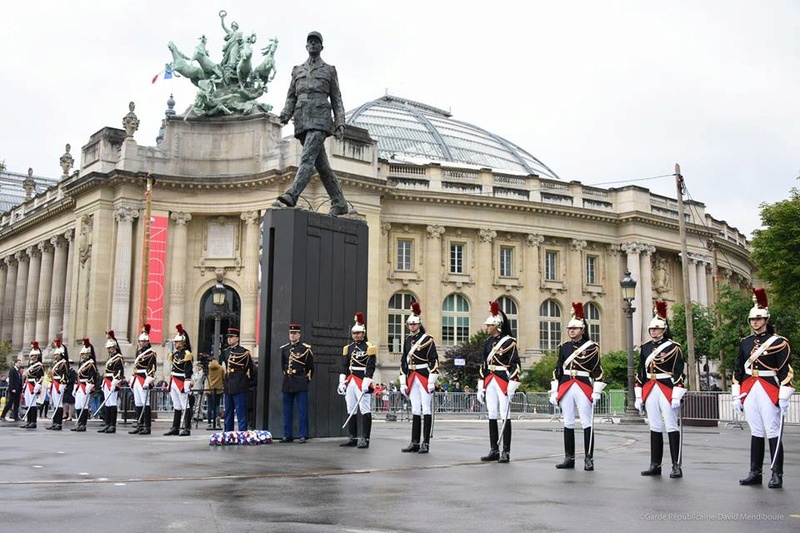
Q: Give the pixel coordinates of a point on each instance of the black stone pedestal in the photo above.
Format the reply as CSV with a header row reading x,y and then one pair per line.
x,y
314,272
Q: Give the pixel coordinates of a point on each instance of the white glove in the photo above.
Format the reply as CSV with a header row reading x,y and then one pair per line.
x,y
637,404
784,405
89,388
676,404
554,397
37,388
114,384
596,396
482,397
148,381
187,385
512,387
431,385
341,389
365,383
404,389
737,406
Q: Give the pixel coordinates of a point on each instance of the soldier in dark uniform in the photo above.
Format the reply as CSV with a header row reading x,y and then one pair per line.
x,y
59,374
660,387
144,375
499,380
113,374
313,94
297,362
33,385
762,387
238,365
87,382
360,360
419,370
577,383
180,384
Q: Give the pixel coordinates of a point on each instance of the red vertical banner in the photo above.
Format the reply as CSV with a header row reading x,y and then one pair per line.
x,y
157,275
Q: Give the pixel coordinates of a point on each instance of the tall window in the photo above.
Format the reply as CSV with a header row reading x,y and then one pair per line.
x,y
456,258
591,270
551,266
592,313
506,261
509,307
404,254
455,320
399,309
549,325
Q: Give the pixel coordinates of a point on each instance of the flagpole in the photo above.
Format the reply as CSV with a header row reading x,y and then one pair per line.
x,y
148,196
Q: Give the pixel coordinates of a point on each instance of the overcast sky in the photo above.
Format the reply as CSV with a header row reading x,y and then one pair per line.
x,y
603,92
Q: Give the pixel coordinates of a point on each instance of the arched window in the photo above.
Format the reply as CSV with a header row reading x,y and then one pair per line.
x,y
549,325
592,314
399,309
455,320
509,307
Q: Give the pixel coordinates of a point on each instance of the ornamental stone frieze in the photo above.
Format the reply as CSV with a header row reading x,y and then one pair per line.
x,y
577,245
435,232
487,235
534,240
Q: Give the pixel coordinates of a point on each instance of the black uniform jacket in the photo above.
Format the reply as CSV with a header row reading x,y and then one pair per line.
x,y
360,360
772,368
503,365
297,362
238,369
423,361
584,368
665,369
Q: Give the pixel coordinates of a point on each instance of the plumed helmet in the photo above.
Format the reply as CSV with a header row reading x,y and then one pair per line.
x,y
495,317
59,349
577,319
87,347
111,339
416,311
659,316
145,335
35,351
358,326
181,335
761,307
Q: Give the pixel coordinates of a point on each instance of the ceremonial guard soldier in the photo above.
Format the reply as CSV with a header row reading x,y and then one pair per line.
x,y
419,370
762,386
577,385
87,381
180,384
33,383
144,374
238,365
113,375
360,359
660,387
297,362
59,374
499,380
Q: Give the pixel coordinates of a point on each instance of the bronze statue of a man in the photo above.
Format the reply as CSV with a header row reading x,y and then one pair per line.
x,y
313,94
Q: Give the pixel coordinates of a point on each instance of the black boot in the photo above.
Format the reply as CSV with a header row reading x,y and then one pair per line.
x,y
137,427
494,436
148,413
656,454
588,448
82,420
756,462
58,417
32,415
776,481
105,421
427,424
112,420
186,431
352,432
176,422
569,449
505,455
366,428
674,452
416,428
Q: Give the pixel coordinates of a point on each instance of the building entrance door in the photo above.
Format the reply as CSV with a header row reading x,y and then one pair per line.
x,y
229,314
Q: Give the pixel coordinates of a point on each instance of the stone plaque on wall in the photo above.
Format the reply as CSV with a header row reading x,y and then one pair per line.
x,y
220,240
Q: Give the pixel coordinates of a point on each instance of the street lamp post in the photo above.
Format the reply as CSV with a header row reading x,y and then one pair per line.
x,y
628,286
218,297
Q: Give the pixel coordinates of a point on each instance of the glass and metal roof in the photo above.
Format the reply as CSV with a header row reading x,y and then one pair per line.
x,y
412,131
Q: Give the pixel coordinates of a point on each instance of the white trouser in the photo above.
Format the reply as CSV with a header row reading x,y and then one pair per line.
x,y
180,399
109,394
30,397
351,397
659,407
762,415
496,401
141,396
57,394
572,400
81,398
420,398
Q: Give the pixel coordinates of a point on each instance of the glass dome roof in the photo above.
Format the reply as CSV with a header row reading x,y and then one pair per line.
x,y
411,131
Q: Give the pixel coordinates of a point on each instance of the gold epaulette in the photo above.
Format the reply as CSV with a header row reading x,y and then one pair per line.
x,y
372,349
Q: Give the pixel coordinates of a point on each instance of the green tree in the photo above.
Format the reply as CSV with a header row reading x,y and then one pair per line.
x,y
537,377
703,329
732,307
615,369
472,353
615,372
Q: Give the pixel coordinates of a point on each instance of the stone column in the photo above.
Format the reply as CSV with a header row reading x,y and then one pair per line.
x,y
529,304
434,270
692,277
69,236
121,302
17,329
250,282
55,327
9,297
43,301
702,282
484,262
32,295
575,271
646,311
632,250
3,277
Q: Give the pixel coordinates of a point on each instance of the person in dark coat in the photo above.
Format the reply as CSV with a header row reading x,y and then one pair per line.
x,y
297,363
13,392
238,365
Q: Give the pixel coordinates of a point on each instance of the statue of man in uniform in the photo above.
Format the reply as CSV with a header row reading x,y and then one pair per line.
x,y
313,95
